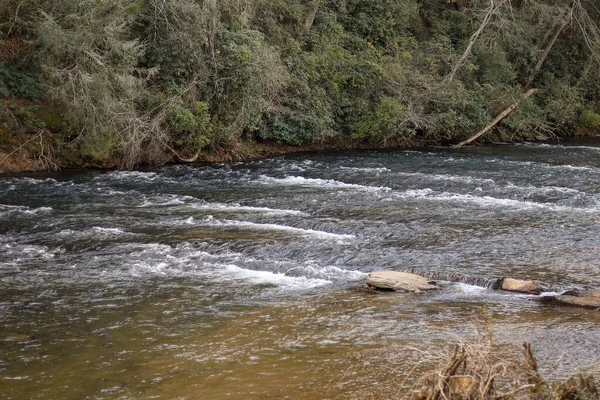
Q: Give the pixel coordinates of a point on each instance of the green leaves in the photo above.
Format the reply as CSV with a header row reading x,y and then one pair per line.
x,y
14,83
135,78
193,128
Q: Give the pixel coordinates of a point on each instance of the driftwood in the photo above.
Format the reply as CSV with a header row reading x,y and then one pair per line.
x,y
184,159
495,122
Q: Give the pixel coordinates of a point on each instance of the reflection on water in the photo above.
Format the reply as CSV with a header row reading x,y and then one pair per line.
x,y
240,280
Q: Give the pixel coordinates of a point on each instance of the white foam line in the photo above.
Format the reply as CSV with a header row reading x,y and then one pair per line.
x,y
4,209
367,169
467,289
224,272
469,179
193,202
237,207
322,183
329,272
35,181
542,165
273,278
441,177
524,163
559,146
94,231
543,189
28,251
163,201
108,231
7,207
271,227
40,210
136,175
486,201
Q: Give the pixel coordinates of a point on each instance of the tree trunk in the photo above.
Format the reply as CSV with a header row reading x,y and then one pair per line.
x,y
495,122
486,19
310,19
557,31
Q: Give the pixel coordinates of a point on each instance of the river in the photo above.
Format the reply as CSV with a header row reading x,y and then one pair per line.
x,y
242,280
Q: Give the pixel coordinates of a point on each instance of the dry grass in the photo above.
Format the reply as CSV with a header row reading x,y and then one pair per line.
x,y
476,371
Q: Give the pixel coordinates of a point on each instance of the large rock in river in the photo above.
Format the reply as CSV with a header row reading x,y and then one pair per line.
x,y
399,281
585,298
519,286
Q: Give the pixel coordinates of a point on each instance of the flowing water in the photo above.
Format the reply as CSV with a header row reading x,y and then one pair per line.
x,y
242,281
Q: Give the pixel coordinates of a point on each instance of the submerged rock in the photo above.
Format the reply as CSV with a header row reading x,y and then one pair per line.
x,y
399,281
589,293
519,286
578,301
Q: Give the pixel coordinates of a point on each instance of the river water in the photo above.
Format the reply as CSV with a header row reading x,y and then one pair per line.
x,y
242,280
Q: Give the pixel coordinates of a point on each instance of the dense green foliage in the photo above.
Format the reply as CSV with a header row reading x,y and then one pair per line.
x,y
138,79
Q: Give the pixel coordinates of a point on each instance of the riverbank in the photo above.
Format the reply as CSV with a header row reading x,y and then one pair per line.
x,y
25,157
29,153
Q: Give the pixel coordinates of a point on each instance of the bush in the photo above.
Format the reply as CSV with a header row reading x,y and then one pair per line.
x,y
590,120
193,128
385,122
14,83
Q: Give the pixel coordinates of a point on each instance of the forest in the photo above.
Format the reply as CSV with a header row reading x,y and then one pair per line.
x,y
144,82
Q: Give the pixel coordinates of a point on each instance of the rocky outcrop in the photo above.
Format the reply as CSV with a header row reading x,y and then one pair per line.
x,y
518,286
399,281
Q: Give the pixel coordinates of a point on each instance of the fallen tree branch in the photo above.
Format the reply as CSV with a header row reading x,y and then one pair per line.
x,y
495,122
37,135
179,157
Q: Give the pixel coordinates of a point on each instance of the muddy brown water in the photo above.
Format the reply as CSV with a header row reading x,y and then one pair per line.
x,y
239,281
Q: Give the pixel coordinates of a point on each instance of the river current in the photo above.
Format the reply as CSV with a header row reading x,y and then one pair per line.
x,y
243,280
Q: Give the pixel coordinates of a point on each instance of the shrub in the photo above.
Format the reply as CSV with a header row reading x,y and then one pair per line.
x,y
193,128
590,120
385,122
15,83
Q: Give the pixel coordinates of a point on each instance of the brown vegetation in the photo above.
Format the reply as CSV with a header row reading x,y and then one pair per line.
x,y
475,371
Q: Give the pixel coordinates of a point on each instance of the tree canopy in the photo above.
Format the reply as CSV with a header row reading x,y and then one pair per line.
x,y
139,81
